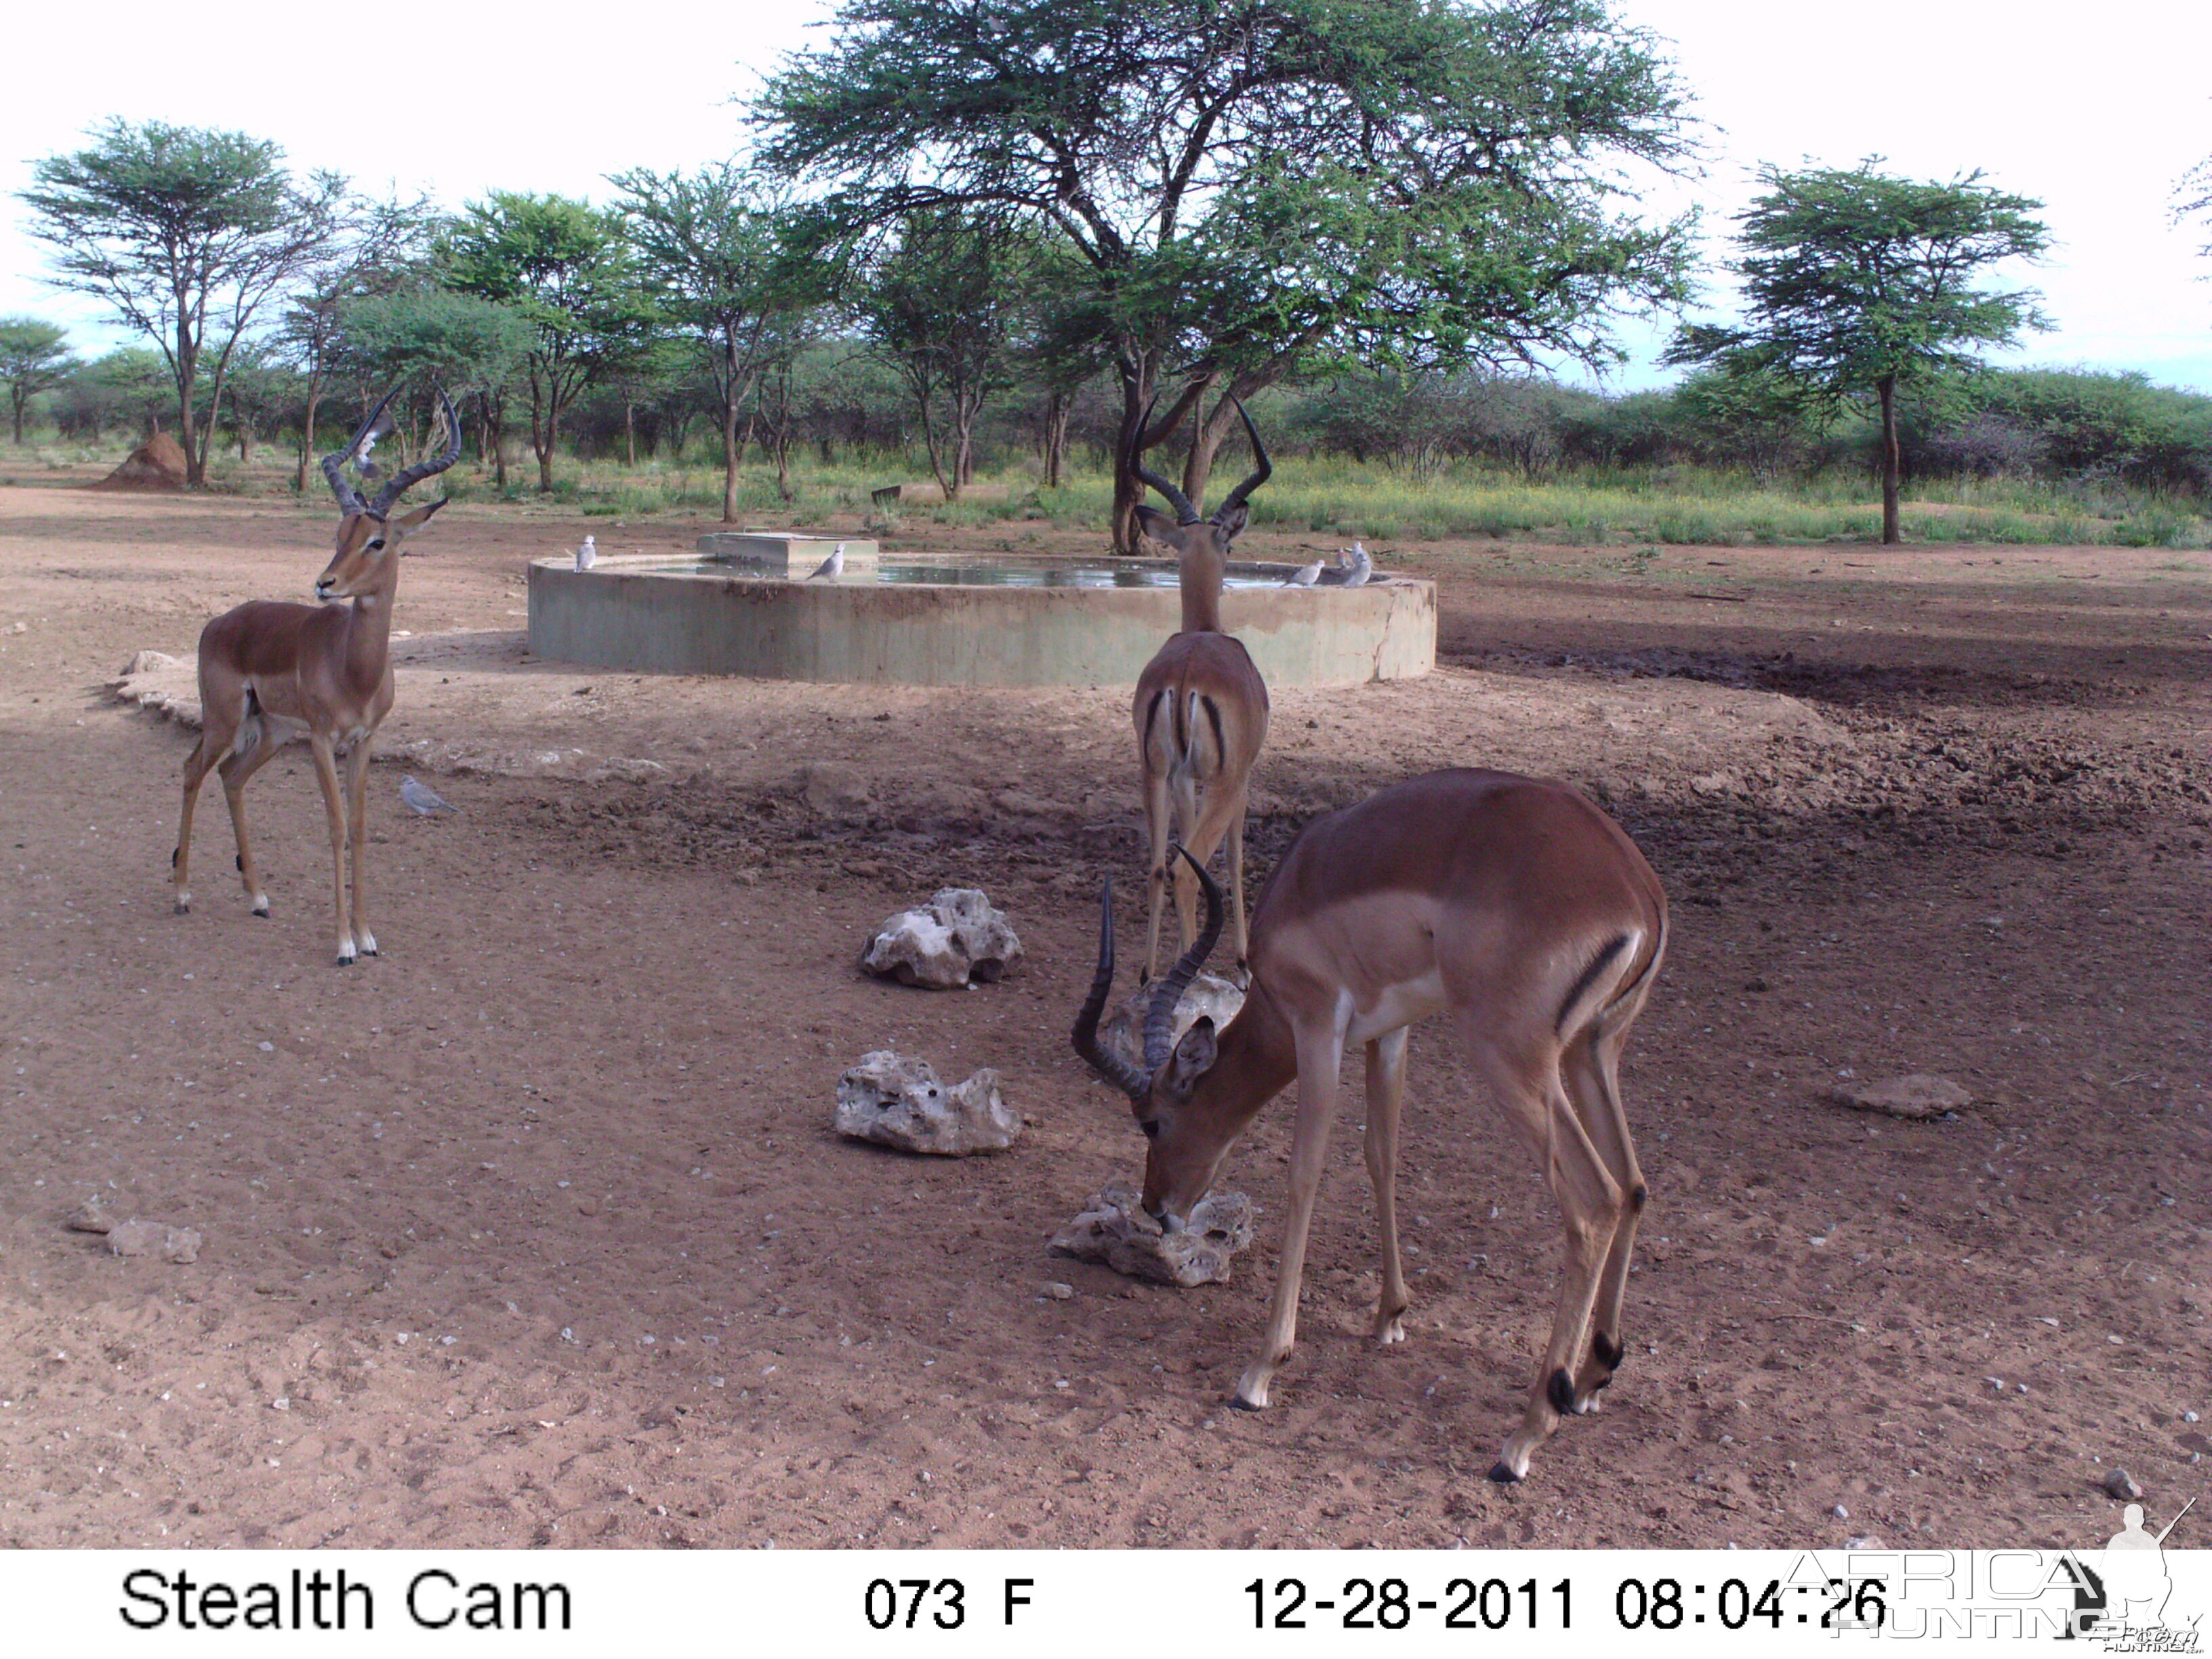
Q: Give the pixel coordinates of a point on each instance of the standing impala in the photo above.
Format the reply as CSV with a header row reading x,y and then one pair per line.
x,y
1511,904
1201,708
271,671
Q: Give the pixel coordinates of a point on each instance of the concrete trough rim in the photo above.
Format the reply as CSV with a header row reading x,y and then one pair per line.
x,y
635,611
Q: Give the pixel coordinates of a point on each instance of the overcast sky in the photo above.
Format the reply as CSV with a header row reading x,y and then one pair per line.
x,y
2097,111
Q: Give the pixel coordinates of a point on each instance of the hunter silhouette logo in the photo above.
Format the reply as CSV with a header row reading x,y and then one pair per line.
x,y
2128,1587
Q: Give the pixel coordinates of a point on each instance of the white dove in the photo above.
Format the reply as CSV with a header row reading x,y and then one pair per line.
x,y
833,566
1358,567
1305,577
586,555
422,800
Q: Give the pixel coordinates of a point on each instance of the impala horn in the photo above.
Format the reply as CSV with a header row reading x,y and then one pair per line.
x,y
429,467
1102,1060
334,465
1159,1018
1185,513
1262,470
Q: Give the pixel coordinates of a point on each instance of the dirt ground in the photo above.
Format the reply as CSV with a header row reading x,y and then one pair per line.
x,y
533,1230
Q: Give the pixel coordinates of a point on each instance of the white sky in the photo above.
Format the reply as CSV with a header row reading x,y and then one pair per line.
x,y
2095,110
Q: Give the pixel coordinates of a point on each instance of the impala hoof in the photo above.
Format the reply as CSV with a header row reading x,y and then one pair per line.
x,y
1237,1402
262,910
1503,1474
183,906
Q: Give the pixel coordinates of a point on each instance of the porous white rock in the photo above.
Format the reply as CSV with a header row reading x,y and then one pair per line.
x,y
897,1102
1920,1095
1114,1228
957,939
137,1238
1210,996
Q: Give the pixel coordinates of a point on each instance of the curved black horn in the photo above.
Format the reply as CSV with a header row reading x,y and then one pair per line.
x,y
1108,1064
1261,470
1159,1018
1185,513
334,465
429,467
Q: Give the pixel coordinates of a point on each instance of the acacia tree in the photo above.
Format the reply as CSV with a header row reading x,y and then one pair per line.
x,y
34,357
433,337
945,304
1856,284
565,267
374,248
717,255
1254,185
187,232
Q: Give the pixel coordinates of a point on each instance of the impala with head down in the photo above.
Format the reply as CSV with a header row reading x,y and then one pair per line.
x,y
271,671
1511,905
1201,708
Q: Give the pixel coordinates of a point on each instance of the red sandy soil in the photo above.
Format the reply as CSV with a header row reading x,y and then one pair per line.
x,y
533,1230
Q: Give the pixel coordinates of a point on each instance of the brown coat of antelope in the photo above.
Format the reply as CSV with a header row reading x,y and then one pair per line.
x,y
1201,708
1511,904
270,672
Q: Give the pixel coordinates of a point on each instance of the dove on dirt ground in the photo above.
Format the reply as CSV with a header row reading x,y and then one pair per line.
x,y
833,566
1305,577
587,555
422,800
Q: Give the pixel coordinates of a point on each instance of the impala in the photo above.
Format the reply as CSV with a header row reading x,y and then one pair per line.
x,y
1511,904
1201,708
271,671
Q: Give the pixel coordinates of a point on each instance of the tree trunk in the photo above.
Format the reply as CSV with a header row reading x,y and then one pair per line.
x,y
951,488
732,450
307,436
1892,462
16,394
1205,442
1056,437
629,432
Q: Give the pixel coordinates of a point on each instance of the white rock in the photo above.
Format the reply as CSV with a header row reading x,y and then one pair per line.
x,y
1210,995
1114,1228
89,1218
957,939
1921,1095
137,1238
897,1102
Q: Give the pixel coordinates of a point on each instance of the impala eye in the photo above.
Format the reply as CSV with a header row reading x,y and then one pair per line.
x,y
376,546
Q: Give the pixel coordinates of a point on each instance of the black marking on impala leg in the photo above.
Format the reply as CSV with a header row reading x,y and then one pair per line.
x,y
174,851
1502,1474
1639,1197
1560,1391
238,859
1589,977
1610,1353
1213,717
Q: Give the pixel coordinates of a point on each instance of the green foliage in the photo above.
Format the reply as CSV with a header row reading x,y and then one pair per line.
x,y
441,339
1853,277
34,357
180,230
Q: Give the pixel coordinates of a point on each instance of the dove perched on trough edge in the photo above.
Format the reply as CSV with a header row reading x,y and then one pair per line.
x,y
1305,577
422,800
1358,567
587,555
833,566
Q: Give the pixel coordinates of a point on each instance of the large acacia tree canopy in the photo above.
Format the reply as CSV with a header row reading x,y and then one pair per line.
x,y
1851,278
1378,178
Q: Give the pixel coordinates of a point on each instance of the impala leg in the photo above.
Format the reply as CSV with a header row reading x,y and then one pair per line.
x,y
1237,893
1386,1097
196,767
327,774
1155,824
1319,1061
357,781
1590,1071
1203,835
1590,1202
1183,788
236,770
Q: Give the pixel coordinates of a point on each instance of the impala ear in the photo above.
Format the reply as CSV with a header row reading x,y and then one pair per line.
x,y
1157,525
1231,522
408,523
1193,1059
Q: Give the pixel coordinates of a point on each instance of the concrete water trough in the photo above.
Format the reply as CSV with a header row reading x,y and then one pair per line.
x,y
960,619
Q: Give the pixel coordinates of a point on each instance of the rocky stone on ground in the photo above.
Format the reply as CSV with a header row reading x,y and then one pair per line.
x,y
957,939
897,1102
1210,996
1115,1230
2121,1485
89,1216
137,1238
1921,1095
